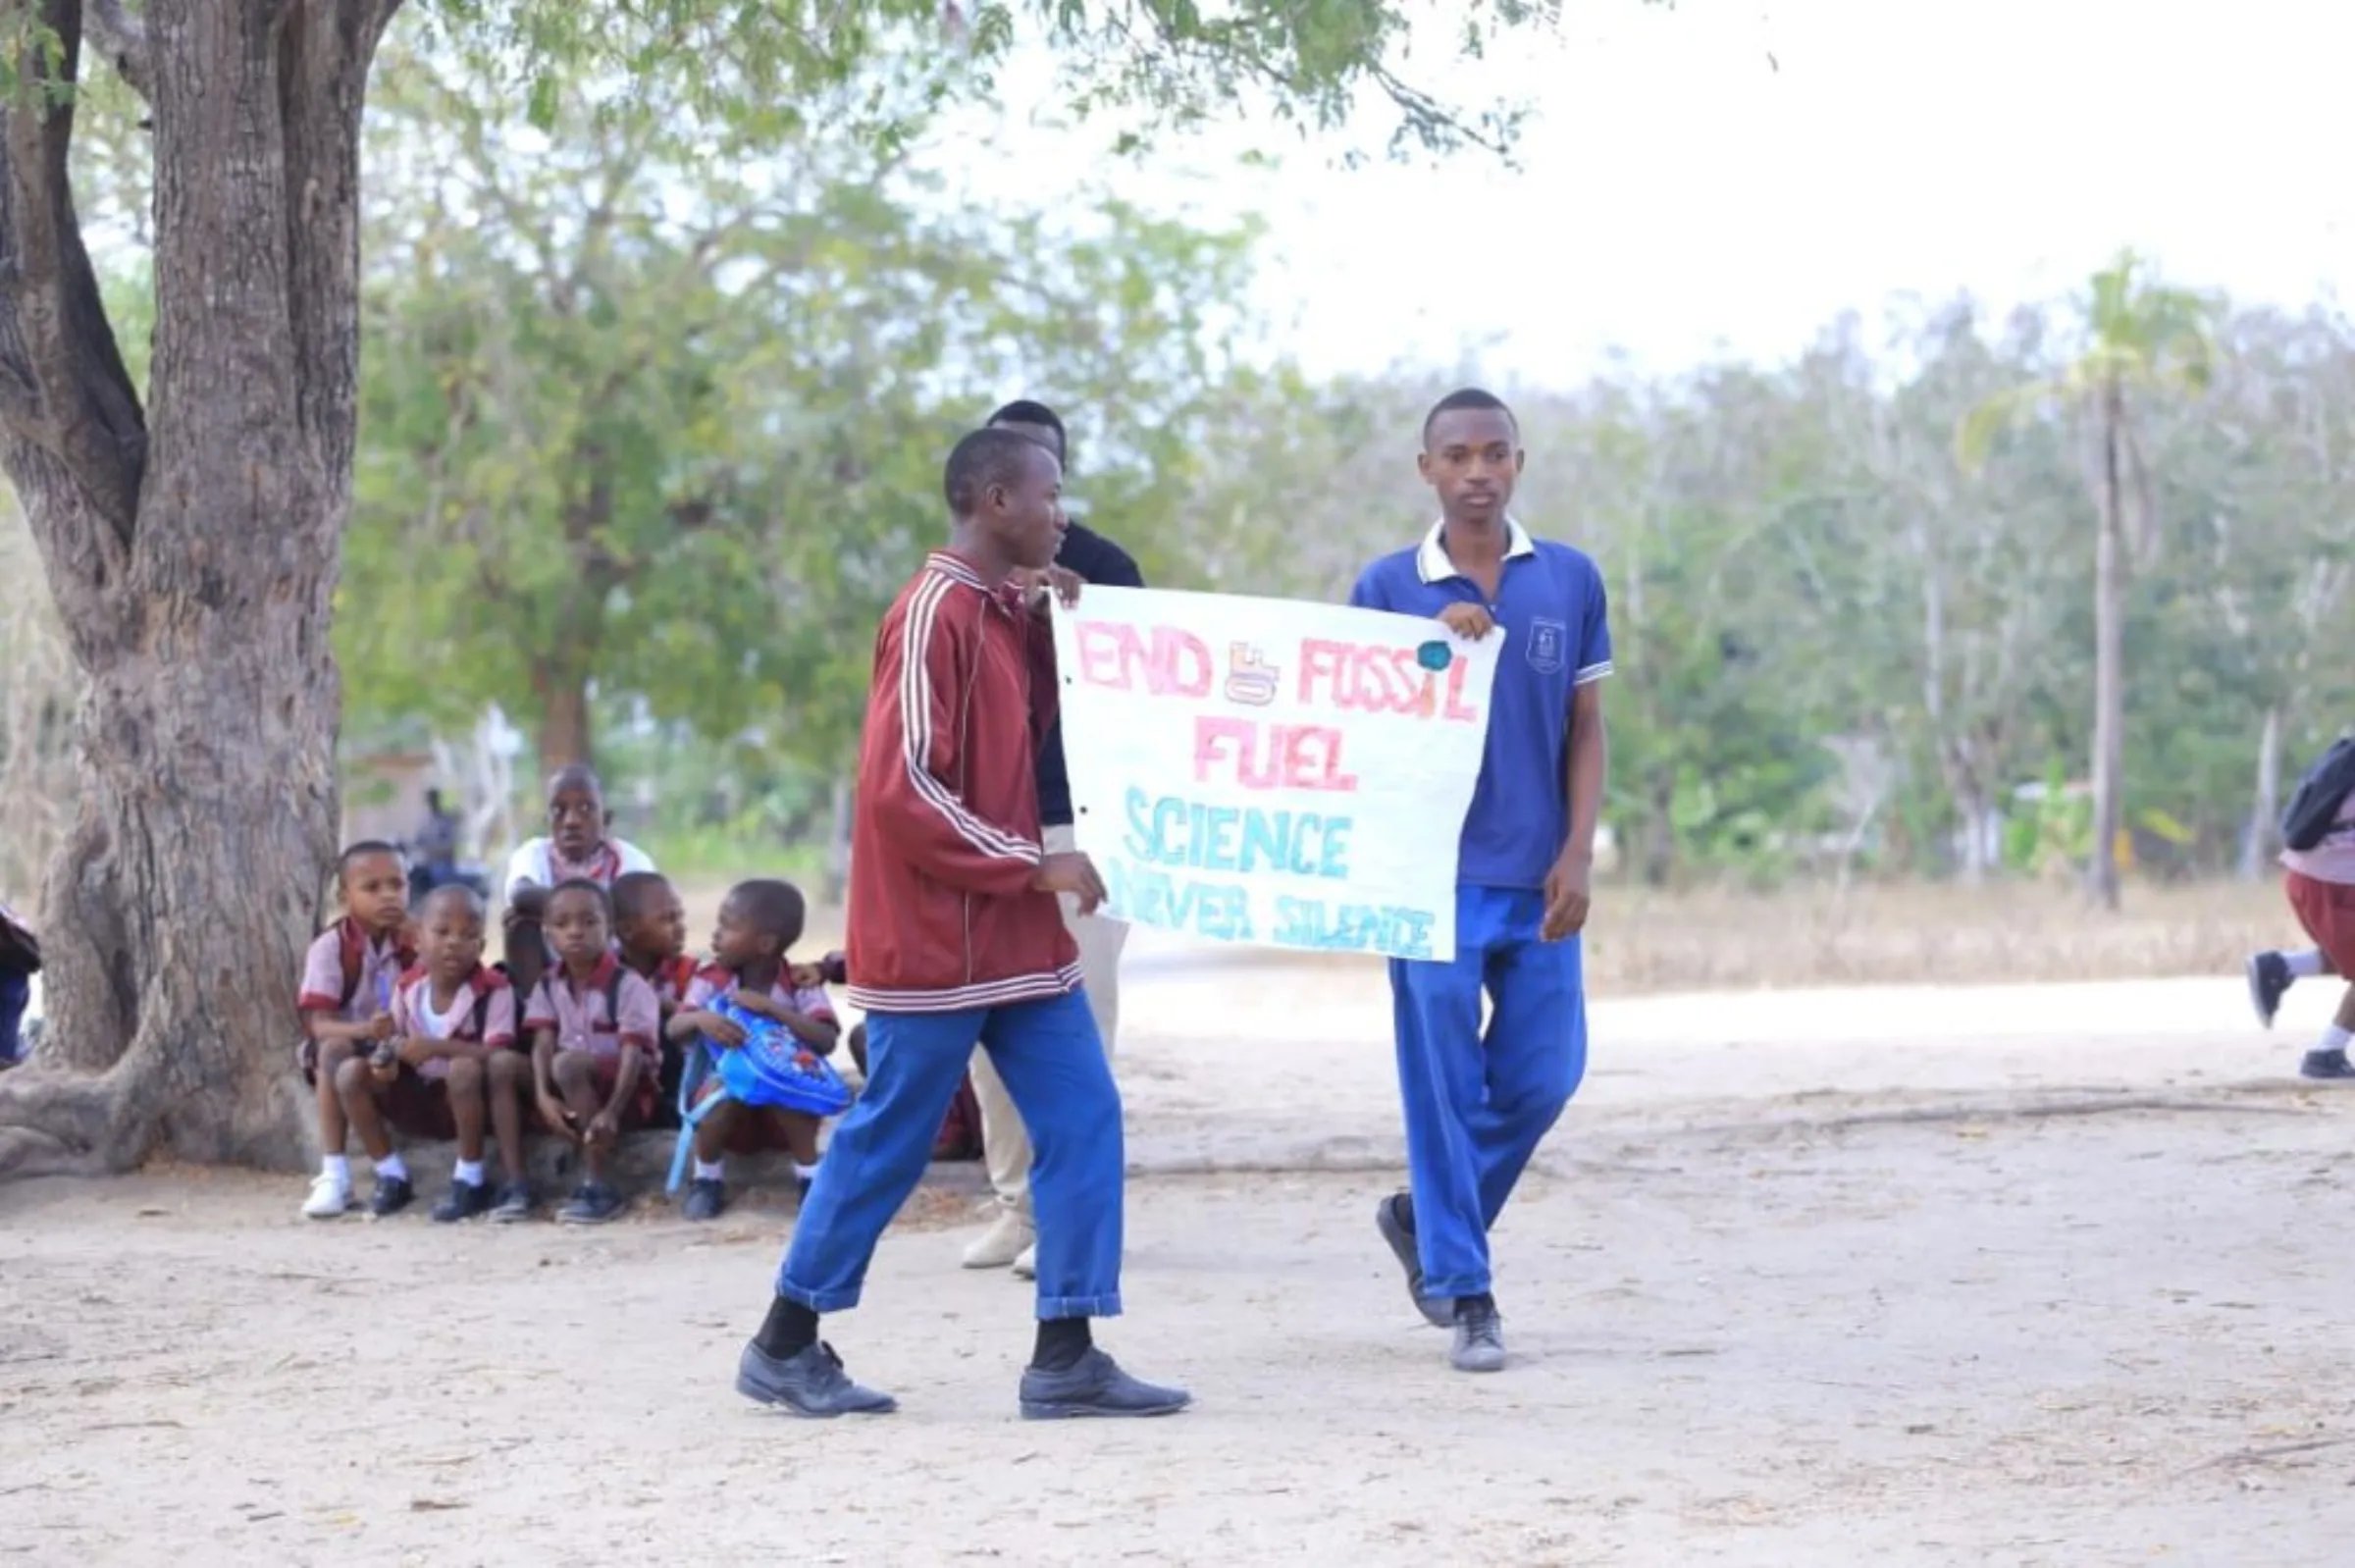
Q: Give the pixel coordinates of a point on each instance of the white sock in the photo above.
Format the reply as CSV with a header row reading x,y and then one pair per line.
x,y
2306,964
390,1167
337,1165
469,1172
2334,1038
709,1169
808,1173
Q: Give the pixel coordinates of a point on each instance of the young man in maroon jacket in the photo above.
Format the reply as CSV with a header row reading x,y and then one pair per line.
x,y
957,939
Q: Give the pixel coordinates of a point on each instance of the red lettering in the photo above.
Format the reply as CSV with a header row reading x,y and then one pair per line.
x,y
1173,663
1375,679
1458,708
1100,650
1272,757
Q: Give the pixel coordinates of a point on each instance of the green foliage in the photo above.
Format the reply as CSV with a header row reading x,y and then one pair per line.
x,y
634,378
1156,63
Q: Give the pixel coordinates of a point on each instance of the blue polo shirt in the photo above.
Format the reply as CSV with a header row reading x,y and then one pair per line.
x,y
1550,602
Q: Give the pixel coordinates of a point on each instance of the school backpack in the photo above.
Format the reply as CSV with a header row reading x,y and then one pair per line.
x,y
2314,804
773,1066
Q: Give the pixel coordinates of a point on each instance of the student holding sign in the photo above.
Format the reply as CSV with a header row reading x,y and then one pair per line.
x,y
1477,1105
956,940
1013,1237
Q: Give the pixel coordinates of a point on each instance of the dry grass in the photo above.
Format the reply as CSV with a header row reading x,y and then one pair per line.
x,y
1641,941
1926,934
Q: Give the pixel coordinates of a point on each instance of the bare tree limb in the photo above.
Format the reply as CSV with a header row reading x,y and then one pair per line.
x,y
123,39
68,395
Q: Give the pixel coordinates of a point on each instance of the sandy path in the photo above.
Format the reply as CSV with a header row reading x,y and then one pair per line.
x,y
1749,1329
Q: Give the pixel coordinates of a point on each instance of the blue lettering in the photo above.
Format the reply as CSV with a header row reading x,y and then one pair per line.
x,y
1219,911
1141,833
1238,840
1324,927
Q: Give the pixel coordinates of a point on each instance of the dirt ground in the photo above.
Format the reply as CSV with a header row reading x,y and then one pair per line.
x,y
2053,1275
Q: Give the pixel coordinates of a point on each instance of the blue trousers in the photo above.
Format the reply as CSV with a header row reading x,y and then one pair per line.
x,y
16,994
1477,1103
1052,1065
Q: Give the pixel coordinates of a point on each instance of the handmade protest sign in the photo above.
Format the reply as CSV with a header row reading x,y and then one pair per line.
x,y
1269,771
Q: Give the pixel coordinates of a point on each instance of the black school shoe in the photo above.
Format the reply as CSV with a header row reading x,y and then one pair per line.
x,y
514,1203
2268,978
1095,1385
592,1203
1389,1219
2326,1065
392,1194
465,1200
706,1198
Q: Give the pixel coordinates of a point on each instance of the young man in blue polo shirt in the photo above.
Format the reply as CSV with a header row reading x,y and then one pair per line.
x,y
1477,1105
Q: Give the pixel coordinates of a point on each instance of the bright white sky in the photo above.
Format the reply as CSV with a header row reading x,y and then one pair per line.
x,y
1681,194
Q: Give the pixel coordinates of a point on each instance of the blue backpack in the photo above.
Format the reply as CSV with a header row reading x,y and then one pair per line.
x,y
771,1067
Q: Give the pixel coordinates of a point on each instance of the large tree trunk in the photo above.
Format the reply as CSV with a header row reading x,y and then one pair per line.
x,y
564,735
193,555
2109,656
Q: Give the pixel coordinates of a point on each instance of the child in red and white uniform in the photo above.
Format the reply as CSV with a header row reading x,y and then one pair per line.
x,y
460,1069
594,1022
650,932
349,977
758,923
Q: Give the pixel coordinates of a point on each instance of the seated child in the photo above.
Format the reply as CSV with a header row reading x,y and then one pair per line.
x,y
650,931
347,1006
593,1022
450,1067
577,846
759,925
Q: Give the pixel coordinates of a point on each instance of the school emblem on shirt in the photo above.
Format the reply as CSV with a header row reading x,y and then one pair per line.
x,y
1546,640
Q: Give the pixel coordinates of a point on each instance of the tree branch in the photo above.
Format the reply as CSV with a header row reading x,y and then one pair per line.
x,y
123,39
68,393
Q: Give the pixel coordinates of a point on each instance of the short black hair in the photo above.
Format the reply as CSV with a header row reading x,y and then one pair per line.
x,y
362,850
453,890
984,460
576,775
581,884
633,891
773,907
1023,411
1468,397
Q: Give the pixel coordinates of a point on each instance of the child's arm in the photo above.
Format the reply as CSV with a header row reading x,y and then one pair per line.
x,y
688,1023
625,1085
818,1031
544,1079
326,1028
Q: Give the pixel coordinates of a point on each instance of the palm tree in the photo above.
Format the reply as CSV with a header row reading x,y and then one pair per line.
x,y
2141,338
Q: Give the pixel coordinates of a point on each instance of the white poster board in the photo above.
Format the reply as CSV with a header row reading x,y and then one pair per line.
x,y
1271,771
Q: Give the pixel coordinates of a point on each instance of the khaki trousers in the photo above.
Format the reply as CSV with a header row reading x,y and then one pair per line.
x,y
1005,1143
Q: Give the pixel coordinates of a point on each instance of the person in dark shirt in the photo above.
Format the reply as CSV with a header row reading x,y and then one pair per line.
x,y
1012,1235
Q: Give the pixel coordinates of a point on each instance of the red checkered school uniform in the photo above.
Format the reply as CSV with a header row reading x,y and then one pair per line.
x,y
615,1009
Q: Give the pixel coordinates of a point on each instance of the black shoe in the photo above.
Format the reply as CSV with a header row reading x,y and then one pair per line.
x,y
2269,977
394,1194
809,1383
514,1203
706,1196
463,1201
1095,1385
2322,1064
592,1203
1478,1337
1389,1218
